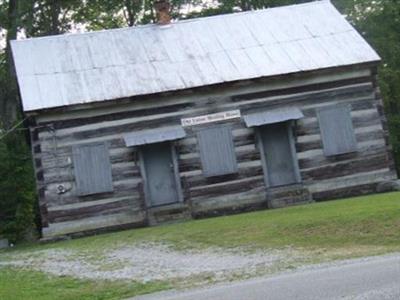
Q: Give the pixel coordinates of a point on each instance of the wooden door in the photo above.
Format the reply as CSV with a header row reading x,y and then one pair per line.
x,y
160,177
280,162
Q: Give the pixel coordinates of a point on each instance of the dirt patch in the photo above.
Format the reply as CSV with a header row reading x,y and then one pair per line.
x,y
150,262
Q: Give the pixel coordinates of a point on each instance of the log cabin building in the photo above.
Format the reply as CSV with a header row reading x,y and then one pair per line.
x,y
202,117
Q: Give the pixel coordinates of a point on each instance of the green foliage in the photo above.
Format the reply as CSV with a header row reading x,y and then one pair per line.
x,y
17,196
379,22
229,6
45,17
105,14
232,5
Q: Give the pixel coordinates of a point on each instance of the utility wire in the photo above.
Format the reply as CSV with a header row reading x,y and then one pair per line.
x,y
13,128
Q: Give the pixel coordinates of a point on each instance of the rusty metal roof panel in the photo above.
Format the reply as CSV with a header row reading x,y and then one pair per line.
x,y
74,69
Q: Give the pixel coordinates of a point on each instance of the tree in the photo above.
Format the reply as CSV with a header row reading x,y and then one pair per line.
x,y
380,22
17,189
105,14
9,101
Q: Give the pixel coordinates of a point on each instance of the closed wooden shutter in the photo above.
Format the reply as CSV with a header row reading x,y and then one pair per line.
x,y
337,130
217,151
92,169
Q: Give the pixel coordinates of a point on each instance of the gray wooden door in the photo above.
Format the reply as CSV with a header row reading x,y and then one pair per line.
x,y
279,163
161,185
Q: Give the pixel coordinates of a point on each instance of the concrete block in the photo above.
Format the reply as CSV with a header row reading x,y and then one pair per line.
x,y
388,186
4,243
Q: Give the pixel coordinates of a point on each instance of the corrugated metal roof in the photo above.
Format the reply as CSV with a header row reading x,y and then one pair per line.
x,y
151,136
82,68
273,116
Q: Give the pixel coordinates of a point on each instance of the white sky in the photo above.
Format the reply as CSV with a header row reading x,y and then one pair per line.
x,y
2,38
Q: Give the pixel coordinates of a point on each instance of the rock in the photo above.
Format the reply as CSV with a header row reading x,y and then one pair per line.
x,y
4,243
388,186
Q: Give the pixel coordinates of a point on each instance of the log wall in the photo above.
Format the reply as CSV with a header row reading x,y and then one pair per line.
x,y
55,132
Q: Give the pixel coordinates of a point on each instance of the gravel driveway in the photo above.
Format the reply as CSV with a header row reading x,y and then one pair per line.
x,y
150,262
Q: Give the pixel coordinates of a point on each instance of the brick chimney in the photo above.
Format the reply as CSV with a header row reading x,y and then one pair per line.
x,y
162,9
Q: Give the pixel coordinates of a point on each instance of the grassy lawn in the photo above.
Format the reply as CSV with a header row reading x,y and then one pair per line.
x,y
31,285
348,228
357,222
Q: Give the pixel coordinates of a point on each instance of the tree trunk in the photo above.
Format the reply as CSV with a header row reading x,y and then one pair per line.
x,y
9,92
55,17
131,14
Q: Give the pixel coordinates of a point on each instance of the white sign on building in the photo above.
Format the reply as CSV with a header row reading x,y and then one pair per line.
x,y
221,116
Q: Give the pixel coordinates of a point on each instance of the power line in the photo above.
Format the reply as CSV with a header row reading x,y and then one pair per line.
x,y
13,128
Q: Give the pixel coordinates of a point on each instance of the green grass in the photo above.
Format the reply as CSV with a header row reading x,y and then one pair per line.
x,y
364,221
31,285
348,228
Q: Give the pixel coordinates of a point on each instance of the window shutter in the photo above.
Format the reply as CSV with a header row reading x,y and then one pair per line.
x,y
92,169
337,131
217,151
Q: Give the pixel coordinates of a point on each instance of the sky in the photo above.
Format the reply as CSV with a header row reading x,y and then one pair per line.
x,y
2,38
